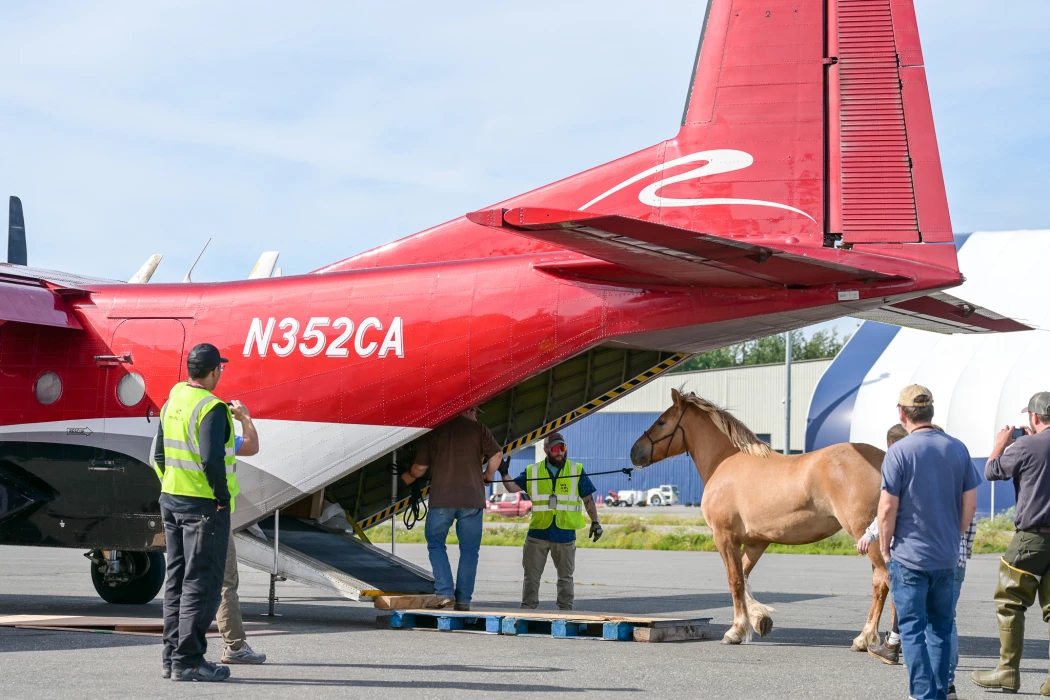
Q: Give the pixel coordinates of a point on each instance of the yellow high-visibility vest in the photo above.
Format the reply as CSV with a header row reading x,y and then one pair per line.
x,y
559,504
181,418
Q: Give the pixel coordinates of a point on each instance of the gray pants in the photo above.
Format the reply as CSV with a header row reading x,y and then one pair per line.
x,y
196,549
534,560
230,620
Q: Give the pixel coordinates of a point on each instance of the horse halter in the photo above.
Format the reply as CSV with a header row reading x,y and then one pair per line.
x,y
669,436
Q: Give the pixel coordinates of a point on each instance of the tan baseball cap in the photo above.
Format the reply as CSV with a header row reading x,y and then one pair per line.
x,y
915,395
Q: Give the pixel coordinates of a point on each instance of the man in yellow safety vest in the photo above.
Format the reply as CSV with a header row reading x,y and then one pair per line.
x,y
559,491
195,459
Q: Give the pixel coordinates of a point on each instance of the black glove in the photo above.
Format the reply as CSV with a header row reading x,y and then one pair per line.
x,y
504,467
596,531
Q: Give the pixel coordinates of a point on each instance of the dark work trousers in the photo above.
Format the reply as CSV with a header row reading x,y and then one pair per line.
x,y
196,549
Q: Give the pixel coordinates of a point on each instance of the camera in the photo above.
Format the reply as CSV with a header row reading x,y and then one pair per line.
x,y
1018,432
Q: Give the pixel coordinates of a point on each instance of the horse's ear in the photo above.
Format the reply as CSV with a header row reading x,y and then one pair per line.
x,y
676,397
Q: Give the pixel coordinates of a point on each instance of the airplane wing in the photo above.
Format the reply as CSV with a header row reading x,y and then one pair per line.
x,y
642,252
31,295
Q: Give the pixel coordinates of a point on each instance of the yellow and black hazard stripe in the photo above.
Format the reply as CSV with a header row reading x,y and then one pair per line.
x,y
595,404
556,424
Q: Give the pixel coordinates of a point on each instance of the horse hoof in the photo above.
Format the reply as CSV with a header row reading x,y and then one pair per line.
x,y
764,626
731,637
859,644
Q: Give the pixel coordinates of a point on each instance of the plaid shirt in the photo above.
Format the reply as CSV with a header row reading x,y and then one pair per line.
x,y
966,543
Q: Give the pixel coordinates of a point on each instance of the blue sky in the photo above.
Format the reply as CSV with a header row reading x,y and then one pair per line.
x,y
325,129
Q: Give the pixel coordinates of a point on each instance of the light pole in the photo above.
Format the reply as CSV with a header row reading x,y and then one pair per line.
x,y
787,393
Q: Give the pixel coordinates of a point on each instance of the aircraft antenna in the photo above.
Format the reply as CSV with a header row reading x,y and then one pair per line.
x,y
187,277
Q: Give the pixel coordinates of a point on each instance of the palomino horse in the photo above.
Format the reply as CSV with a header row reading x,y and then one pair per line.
x,y
754,497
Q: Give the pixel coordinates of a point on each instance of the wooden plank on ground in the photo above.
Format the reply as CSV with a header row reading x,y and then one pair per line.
x,y
675,633
404,602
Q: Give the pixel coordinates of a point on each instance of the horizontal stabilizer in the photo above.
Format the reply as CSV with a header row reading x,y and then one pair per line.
x,y
676,255
943,313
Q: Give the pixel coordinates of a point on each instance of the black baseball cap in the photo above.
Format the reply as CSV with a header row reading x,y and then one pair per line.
x,y
552,440
205,356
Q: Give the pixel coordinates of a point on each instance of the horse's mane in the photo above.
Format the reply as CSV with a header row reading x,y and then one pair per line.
x,y
738,433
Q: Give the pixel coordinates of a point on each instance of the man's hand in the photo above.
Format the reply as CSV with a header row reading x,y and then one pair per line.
x,y
239,411
596,531
862,544
1003,440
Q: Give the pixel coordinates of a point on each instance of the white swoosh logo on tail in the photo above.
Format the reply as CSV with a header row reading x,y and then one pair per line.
x,y
718,161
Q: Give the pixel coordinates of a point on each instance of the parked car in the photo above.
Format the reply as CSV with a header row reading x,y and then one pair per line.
x,y
509,504
664,495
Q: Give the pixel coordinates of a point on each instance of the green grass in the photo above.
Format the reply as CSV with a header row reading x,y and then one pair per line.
x,y
992,537
620,518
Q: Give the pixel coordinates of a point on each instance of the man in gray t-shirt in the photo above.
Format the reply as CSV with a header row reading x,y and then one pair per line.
x,y
1024,568
929,496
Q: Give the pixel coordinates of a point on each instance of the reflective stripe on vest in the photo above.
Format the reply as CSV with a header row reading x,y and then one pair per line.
x,y
566,511
181,418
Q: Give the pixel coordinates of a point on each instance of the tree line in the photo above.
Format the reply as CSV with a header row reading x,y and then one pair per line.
x,y
769,350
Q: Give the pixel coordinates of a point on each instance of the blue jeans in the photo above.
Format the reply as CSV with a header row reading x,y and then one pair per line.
x,y
925,614
468,530
960,575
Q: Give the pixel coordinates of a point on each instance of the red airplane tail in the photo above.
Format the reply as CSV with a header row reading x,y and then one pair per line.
x,y
806,123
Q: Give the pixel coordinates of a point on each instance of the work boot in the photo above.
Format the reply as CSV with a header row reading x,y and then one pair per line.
x,y
244,655
463,607
1014,594
206,672
886,653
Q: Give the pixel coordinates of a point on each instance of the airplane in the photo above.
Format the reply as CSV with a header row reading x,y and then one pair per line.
x,y
803,185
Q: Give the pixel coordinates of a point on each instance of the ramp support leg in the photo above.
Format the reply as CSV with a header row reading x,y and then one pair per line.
x,y
274,577
393,502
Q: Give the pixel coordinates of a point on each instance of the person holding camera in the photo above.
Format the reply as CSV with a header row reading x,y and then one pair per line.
x,y
1023,569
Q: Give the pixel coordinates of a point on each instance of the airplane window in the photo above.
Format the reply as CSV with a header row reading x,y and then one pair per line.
x,y
48,388
131,388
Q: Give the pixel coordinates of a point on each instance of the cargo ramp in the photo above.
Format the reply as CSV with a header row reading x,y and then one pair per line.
x,y
351,566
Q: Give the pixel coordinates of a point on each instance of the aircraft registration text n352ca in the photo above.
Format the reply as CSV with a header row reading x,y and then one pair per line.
x,y
318,331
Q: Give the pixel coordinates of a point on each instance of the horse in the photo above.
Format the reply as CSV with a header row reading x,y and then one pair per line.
x,y
754,497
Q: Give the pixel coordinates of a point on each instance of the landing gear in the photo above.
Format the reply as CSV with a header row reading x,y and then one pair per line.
x,y
126,578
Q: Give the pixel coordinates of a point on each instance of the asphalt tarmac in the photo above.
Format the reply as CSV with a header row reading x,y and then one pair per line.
x,y
324,647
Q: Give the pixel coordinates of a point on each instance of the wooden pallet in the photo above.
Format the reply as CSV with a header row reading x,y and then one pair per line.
x,y
559,625
444,621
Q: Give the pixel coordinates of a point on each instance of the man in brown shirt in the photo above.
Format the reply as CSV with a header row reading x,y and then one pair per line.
x,y
455,453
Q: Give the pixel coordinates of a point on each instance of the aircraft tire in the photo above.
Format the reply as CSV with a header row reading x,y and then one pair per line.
x,y
141,589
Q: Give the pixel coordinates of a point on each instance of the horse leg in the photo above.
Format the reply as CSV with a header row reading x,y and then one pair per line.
x,y
729,548
880,588
757,614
